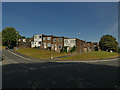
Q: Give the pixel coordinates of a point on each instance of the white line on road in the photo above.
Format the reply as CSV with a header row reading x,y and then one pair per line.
x,y
21,64
87,61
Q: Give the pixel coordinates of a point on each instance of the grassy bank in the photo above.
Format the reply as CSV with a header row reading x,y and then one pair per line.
x,y
39,53
91,55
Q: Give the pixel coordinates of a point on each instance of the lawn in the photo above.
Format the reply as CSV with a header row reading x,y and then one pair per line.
x,y
91,55
39,53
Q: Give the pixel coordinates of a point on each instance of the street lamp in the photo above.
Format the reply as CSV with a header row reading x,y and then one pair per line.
x,y
80,41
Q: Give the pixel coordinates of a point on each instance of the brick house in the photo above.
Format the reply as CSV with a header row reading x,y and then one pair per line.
x,y
96,46
55,43
24,43
71,42
51,42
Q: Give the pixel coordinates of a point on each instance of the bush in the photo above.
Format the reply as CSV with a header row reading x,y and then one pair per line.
x,y
64,50
73,49
48,48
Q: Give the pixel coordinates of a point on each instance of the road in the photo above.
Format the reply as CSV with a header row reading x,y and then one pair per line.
x,y
20,72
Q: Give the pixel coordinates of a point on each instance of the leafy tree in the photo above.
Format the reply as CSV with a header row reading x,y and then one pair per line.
x,y
22,37
118,49
9,36
108,42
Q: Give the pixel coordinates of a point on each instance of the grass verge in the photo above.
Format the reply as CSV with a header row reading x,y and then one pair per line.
x,y
91,55
39,53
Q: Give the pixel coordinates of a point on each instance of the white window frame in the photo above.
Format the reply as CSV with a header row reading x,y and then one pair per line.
x,y
48,38
35,37
49,44
24,40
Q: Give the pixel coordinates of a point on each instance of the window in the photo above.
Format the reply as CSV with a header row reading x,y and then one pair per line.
x,y
72,41
54,39
49,38
39,36
24,40
44,44
66,41
44,38
35,37
32,43
60,39
19,39
60,46
49,44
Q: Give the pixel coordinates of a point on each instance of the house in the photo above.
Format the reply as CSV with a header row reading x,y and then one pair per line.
x,y
71,42
24,43
50,42
55,43
88,46
96,46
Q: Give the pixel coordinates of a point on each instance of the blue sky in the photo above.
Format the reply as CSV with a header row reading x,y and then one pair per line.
x,y
91,20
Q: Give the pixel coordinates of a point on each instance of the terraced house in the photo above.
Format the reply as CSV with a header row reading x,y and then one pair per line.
x,y
55,43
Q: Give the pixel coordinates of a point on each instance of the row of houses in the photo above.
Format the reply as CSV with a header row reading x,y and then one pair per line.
x,y
55,43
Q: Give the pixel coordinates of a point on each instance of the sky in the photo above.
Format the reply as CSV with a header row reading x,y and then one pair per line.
x,y
91,19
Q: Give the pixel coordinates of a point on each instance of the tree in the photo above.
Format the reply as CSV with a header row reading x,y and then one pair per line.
x,y
107,43
9,36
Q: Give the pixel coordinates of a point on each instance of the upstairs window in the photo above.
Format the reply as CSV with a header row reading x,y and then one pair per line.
x,y
39,36
44,38
35,37
49,38
54,39
66,41
60,39
72,41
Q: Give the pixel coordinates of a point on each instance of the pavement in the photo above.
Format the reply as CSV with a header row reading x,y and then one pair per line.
x,y
24,72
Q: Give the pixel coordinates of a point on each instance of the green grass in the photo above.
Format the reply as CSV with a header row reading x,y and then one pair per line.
x,y
39,53
2,47
91,55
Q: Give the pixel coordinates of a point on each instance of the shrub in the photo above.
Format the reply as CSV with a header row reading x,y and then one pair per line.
x,y
64,50
73,49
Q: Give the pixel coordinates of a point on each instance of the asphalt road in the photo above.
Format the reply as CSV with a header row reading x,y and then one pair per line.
x,y
19,72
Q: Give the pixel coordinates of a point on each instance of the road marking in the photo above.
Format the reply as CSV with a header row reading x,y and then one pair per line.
x,y
22,65
87,61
